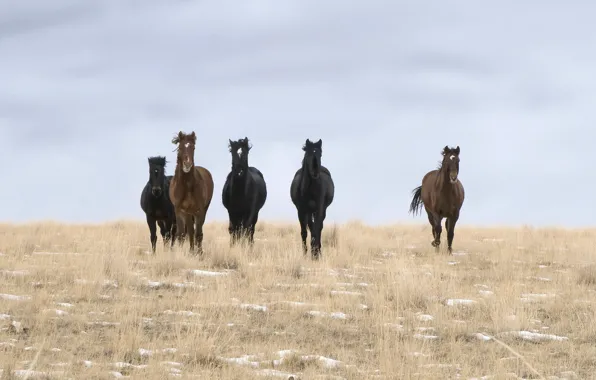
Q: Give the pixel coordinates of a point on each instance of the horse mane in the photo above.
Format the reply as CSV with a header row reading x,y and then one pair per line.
x,y
158,160
248,144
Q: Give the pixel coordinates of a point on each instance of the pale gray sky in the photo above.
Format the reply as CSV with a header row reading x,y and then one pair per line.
x,y
89,89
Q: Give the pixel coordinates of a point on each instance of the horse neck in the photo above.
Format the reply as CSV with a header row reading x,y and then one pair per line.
x,y
305,179
443,183
188,179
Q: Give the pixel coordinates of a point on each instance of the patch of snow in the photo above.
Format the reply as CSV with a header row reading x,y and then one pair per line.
x,y
334,315
275,373
12,297
459,253
458,301
207,273
483,337
87,363
186,313
544,279
425,317
253,307
244,360
5,316
15,273
128,365
425,337
423,329
535,337
64,304
360,284
171,364
396,326
103,323
146,353
486,292
58,312
535,297
452,262
345,292
296,285
325,361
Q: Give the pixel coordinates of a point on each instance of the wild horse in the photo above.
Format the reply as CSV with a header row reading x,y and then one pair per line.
x,y
312,191
155,202
442,195
244,193
191,191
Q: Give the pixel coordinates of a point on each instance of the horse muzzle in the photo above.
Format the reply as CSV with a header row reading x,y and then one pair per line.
x,y
453,177
156,191
186,167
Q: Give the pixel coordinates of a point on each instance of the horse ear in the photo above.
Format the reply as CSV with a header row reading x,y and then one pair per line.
x,y
319,143
445,150
306,143
193,136
457,150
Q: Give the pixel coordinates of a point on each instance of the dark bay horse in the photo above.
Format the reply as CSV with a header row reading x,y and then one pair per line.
x,y
312,191
155,202
244,193
191,191
442,195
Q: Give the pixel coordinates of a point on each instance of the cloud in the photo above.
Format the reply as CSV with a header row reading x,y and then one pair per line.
x,y
91,89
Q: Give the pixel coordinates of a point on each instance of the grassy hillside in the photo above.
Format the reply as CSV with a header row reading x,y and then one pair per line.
x,y
90,302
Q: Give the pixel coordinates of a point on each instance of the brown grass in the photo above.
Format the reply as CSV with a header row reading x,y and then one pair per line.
x,y
113,321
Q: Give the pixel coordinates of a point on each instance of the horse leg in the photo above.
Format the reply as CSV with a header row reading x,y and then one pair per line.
x,y
249,225
432,225
251,230
234,229
313,233
438,229
164,231
319,217
181,228
450,227
199,221
190,230
173,232
303,219
152,231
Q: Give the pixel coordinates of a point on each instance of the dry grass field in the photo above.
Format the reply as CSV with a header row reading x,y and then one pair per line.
x,y
89,302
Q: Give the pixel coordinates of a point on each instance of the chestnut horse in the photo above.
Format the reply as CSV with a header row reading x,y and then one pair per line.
x,y
191,190
442,195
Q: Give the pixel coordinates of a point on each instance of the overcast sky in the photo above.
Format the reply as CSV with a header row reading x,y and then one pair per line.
x,y
89,89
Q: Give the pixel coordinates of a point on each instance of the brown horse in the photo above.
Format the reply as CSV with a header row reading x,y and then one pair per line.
x,y
442,195
191,191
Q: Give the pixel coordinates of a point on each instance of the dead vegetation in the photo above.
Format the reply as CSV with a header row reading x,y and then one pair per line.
x,y
82,301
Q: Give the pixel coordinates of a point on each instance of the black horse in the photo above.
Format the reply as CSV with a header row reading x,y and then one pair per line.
x,y
243,194
155,202
312,191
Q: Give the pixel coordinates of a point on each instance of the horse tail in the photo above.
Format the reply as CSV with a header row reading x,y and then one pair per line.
x,y
416,203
